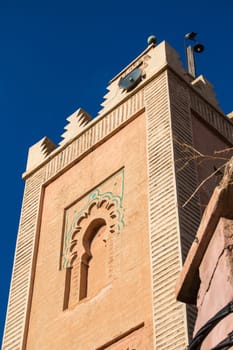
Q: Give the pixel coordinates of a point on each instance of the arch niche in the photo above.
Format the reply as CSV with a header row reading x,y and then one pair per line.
x,y
91,252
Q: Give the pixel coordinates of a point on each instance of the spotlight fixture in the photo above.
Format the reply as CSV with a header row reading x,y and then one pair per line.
x,y
189,50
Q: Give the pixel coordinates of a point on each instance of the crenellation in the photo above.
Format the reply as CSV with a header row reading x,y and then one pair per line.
x,y
39,151
206,89
152,62
77,121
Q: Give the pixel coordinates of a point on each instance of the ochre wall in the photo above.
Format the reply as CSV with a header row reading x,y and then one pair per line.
x,y
123,306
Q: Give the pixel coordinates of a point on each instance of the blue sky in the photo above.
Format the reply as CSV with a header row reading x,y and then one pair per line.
x,y
59,56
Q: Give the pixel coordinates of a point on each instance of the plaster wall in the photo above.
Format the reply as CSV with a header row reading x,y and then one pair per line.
x,y
121,308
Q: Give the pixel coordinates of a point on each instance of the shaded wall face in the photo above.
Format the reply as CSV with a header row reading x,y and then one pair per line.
x,y
92,280
215,153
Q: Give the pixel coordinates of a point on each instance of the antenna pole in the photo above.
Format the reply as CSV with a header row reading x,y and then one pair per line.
x,y
191,61
190,50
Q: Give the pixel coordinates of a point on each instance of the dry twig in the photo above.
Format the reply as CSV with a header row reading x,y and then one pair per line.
x,y
192,154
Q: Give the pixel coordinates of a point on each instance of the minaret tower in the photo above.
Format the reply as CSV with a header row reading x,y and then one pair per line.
x,y
103,232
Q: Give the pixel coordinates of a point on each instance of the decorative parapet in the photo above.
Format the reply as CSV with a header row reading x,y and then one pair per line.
x,y
39,152
206,89
230,115
96,131
77,121
151,61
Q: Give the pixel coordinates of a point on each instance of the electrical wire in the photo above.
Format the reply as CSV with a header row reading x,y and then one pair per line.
x,y
225,343
204,331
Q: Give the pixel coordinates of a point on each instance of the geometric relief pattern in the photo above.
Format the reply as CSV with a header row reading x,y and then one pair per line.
x,y
104,203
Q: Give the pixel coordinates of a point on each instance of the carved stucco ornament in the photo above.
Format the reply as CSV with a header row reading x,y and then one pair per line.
x,y
99,205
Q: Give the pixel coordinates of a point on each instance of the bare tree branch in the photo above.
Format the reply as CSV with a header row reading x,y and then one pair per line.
x,y
202,183
192,154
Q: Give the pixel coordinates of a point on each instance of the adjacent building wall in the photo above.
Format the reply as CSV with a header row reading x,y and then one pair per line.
x,y
207,276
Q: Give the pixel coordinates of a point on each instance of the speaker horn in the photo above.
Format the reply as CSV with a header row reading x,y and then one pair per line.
x,y
198,48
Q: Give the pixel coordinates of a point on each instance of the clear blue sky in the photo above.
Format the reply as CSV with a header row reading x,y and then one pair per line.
x,y
58,56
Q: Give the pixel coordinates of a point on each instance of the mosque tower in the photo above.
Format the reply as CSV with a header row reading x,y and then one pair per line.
x,y
104,230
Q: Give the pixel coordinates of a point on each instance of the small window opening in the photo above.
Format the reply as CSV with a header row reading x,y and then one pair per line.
x,y
93,261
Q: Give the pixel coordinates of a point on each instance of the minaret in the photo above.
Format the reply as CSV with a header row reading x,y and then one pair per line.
x,y
103,232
